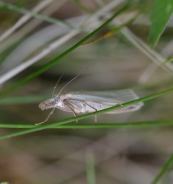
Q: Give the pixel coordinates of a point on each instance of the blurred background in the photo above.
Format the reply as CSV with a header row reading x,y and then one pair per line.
x,y
124,60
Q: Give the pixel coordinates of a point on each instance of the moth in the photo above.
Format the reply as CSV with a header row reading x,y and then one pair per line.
x,y
90,101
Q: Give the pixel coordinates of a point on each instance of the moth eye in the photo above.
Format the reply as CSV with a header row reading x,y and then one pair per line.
x,y
57,100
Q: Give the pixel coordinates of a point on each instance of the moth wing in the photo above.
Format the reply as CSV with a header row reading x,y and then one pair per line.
x,y
116,96
94,96
75,104
108,98
124,96
81,106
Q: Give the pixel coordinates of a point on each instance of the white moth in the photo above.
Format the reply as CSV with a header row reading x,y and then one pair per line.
x,y
91,101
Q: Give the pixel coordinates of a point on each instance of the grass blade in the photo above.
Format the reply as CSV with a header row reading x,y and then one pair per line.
x,y
52,125
161,13
163,170
96,125
24,19
90,168
23,99
34,14
51,63
82,6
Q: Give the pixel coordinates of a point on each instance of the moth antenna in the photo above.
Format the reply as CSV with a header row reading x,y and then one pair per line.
x,y
72,80
56,85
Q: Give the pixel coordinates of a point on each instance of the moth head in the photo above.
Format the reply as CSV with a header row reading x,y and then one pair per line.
x,y
50,103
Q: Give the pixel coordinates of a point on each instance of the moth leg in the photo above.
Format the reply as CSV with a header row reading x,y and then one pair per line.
x,y
95,117
51,112
74,113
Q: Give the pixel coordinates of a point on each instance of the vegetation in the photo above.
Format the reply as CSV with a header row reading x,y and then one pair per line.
x,y
124,44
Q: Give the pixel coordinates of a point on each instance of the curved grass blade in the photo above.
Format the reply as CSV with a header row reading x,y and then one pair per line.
x,y
160,15
55,60
52,125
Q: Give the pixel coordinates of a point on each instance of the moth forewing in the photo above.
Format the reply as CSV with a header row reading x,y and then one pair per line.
x,y
91,101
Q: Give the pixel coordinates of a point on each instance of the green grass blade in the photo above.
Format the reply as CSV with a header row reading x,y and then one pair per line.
x,y
95,125
160,15
34,14
90,168
163,170
167,61
82,6
55,60
23,99
52,125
